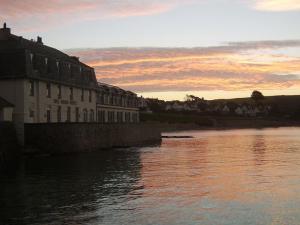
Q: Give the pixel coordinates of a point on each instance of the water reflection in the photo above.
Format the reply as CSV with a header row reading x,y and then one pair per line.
x,y
219,177
259,148
68,189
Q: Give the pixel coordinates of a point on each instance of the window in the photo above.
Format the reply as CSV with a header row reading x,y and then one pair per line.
x,y
127,117
71,94
31,113
90,96
48,90
101,116
69,114
77,114
31,57
111,116
58,67
59,114
85,115
91,115
31,88
119,117
82,95
48,114
59,91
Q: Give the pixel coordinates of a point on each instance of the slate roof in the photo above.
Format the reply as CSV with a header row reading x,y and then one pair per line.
x,y
107,88
21,58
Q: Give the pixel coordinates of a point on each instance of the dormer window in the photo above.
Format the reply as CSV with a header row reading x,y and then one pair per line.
x,y
31,57
46,61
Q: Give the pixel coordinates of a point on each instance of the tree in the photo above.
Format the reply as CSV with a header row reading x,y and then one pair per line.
x,y
192,98
257,96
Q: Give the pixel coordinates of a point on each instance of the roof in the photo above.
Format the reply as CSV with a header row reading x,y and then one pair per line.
x,y
4,103
21,58
113,89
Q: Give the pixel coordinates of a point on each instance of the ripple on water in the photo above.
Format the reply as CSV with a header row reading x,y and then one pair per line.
x,y
217,177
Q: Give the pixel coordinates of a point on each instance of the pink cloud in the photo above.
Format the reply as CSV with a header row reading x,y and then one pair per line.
x,y
233,67
38,13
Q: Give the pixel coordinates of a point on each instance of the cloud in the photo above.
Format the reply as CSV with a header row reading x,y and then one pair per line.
x,y
277,5
37,14
233,67
29,15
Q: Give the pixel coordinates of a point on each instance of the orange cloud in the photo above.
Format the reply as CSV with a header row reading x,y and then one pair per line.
x,y
277,5
232,67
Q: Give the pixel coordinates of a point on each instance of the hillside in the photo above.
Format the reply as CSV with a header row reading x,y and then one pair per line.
x,y
284,103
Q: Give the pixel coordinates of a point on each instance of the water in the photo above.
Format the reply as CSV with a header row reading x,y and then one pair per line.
x,y
219,177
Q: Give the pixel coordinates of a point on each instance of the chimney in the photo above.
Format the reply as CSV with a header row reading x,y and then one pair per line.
x,y
4,32
39,40
75,58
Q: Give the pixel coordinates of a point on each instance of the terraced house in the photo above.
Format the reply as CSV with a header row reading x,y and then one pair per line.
x,y
46,85
115,105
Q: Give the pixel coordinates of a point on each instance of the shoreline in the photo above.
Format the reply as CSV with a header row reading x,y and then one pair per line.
x,y
241,124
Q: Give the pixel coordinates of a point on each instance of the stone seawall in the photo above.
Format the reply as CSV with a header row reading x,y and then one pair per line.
x,y
8,145
79,137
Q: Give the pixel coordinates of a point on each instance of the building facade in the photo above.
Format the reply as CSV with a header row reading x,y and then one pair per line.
x,y
6,111
115,105
48,86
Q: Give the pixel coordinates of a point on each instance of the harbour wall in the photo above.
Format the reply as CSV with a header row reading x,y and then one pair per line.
x,y
57,138
9,148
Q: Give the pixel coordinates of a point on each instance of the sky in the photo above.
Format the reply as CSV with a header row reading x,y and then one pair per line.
x,y
169,48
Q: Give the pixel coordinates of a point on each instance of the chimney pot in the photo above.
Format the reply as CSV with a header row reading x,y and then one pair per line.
x,y
4,32
39,40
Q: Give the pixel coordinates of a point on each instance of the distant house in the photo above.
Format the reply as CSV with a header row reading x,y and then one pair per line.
x,y
226,109
6,110
177,106
239,111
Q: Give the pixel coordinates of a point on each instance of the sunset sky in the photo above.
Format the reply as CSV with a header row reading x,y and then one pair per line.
x,y
170,48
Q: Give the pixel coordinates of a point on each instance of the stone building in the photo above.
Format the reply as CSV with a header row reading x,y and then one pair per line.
x,y
48,86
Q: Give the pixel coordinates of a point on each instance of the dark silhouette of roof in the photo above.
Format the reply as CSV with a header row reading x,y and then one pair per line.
x,y
20,58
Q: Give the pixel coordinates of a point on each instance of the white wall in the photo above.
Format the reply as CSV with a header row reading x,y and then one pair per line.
x,y
6,114
115,110
40,103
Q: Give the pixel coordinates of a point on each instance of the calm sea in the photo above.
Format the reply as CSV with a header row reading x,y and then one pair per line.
x,y
218,177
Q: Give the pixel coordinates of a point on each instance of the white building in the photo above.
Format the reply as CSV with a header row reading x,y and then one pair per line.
x,y
47,86
6,111
115,105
